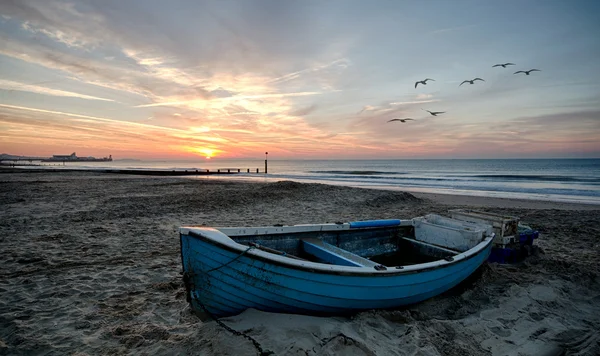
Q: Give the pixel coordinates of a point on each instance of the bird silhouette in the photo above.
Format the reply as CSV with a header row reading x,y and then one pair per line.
x,y
434,113
424,82
471,81
503,65
527,71
401,120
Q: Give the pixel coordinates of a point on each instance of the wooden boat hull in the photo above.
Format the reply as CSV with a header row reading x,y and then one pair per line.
x,y
225,278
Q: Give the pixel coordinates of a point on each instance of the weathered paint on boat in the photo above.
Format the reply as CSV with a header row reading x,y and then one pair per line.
x,y
225,278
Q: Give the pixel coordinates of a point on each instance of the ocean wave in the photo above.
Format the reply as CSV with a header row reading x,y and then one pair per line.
x,y
546,178
360,173
452,185
455,178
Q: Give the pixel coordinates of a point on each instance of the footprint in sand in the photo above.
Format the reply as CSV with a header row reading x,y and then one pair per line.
x,y
500,331
543,294
537,333
536,316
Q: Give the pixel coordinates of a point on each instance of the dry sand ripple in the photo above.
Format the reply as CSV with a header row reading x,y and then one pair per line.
x,y
90,265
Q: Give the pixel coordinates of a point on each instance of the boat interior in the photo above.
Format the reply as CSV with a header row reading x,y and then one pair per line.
x,y
375,247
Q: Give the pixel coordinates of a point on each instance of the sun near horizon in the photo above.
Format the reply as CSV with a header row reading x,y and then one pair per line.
x,y
207,153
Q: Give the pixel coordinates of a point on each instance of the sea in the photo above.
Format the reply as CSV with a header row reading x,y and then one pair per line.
x,y
560,180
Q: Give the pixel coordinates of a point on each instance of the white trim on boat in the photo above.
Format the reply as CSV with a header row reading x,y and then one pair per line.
x,y
268,230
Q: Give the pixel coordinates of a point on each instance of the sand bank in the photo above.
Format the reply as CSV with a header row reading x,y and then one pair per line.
x,y
90,265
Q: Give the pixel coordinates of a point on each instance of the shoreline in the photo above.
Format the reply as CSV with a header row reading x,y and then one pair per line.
x,y
244,177
485,202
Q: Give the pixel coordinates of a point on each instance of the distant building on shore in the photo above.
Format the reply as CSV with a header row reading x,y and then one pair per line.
x,y
73,158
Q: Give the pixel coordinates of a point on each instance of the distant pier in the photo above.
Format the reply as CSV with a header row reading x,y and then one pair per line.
x,y
23,159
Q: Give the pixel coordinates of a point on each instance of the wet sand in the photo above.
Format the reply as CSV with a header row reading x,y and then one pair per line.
x,y
89,264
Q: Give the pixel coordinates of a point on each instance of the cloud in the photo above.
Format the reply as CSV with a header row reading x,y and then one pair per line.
x,y
10,85
222,93
452,29
201,103
341,63
114,75
304,111
565,119
424,96
367,108
244,113
89,118
391,107
396,103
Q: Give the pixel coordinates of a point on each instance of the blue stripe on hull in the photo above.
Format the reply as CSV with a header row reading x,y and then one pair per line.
x,y
250,283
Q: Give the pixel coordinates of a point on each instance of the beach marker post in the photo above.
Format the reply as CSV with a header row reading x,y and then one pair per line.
x,y
266,155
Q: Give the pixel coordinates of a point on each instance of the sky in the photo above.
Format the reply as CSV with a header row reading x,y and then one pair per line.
x,y
300,79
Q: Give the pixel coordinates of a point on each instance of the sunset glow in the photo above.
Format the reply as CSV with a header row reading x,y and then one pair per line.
x,y
236,79
207,152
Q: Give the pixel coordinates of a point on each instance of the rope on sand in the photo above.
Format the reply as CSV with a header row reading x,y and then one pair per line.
x,y
257,346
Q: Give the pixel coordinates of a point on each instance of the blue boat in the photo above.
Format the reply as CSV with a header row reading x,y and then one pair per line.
x,y
327,269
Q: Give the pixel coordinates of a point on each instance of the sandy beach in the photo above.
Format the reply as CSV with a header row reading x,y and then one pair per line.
x,y
90,265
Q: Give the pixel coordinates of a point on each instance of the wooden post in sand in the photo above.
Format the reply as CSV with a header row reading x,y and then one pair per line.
x,y
266,155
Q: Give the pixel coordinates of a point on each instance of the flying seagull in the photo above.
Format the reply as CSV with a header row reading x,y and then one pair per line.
x,y
527,71
424,82
471,81
503,65
434,113
401,120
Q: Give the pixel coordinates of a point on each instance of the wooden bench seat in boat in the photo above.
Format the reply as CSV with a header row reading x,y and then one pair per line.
x,y
431,249
334,255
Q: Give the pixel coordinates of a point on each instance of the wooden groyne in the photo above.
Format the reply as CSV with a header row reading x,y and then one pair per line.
x,y
187,172
144,172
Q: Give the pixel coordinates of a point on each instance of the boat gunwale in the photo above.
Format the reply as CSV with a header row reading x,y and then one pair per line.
x,y
315,267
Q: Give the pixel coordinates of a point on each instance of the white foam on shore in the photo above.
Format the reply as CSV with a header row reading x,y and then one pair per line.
x,y
464,192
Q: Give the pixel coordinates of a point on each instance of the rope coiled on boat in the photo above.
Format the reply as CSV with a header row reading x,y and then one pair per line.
x,y
225,264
